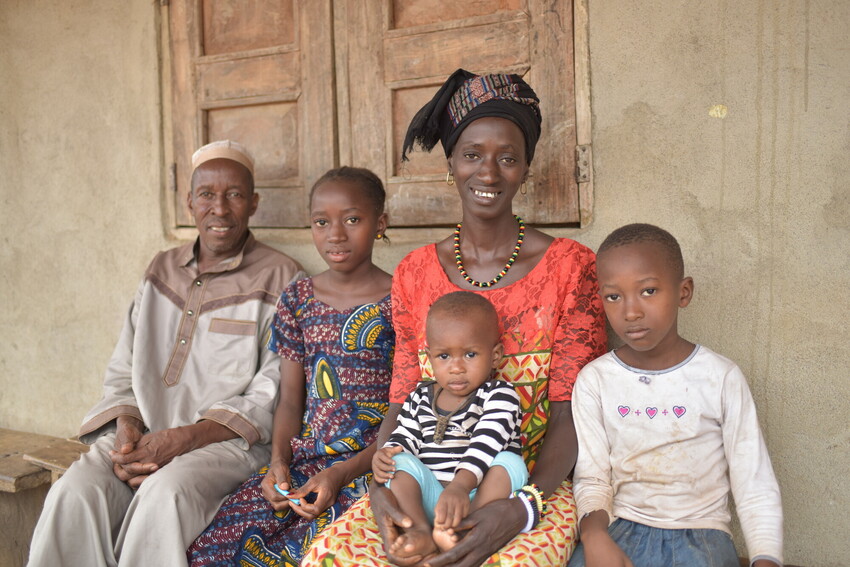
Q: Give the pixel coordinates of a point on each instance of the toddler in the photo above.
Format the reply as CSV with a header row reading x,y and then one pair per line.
x,y
457,433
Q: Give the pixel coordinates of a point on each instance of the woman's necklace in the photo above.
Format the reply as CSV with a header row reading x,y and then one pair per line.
x,y
500,275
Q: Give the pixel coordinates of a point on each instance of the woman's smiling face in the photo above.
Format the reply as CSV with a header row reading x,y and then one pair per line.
x,y
488,164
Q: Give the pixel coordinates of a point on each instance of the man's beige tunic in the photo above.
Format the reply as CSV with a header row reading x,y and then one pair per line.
x,y
192,348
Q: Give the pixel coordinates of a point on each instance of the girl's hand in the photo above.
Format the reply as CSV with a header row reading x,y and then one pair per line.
x,y
326,486
278,473
383,465
452,507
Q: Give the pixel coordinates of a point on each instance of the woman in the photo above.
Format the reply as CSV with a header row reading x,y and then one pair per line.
x,y
545,292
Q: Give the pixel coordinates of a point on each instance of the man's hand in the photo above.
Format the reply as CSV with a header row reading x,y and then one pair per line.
x,y
383,465
128,432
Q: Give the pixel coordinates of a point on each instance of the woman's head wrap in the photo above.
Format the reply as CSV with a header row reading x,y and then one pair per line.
x,y
466,97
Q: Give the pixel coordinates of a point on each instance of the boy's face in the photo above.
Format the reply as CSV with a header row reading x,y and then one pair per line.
x,y
463,351
642,295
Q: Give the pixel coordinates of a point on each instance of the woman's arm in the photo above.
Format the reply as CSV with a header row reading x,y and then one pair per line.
x,y
560,449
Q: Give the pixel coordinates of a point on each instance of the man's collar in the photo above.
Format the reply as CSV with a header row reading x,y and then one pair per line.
x,y
190,256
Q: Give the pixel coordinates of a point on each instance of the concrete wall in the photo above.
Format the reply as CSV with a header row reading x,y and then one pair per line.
x,y
759,200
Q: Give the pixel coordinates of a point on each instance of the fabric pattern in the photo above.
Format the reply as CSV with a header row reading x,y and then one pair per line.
x,y
347,359
552,325
353,540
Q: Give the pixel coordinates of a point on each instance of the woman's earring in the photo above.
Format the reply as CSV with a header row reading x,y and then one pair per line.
x,y
450,180
379,236
522,188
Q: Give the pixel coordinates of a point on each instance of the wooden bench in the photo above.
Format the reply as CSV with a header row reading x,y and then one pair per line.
x,y
29,464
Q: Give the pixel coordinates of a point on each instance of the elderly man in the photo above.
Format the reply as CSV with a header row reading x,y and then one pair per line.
x,y
187,404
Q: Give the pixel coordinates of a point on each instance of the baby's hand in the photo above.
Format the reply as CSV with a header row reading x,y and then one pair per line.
x,y
383,465
451,508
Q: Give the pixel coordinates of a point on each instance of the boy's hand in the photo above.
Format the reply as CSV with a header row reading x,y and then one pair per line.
x,y
452,507
604,552
383,465
599,549
278,473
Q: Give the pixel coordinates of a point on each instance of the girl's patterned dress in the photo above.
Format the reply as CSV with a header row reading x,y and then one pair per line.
x,y
552,324
347,359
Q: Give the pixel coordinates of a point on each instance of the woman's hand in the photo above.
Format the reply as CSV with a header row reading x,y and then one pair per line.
x,y
278,474
326,485
452,507
391,522
383,464
490,528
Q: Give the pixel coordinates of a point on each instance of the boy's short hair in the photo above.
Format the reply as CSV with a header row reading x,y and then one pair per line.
x,y
641,232
462,304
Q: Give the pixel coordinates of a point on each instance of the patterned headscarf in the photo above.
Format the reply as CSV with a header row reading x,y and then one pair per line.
x,y
466,97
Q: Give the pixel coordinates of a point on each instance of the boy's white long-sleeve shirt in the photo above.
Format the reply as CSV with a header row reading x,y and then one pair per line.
x,y
664,448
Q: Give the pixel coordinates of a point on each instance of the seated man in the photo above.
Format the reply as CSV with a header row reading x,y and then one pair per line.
x,y
187,404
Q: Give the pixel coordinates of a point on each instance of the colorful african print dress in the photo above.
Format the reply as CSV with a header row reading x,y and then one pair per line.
x,y
552,323
347,357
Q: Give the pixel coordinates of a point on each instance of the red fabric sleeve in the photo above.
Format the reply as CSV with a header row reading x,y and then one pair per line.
x,y
406,373
580,334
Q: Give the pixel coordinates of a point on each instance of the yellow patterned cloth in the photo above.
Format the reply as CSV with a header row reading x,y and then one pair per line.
x,y
352,540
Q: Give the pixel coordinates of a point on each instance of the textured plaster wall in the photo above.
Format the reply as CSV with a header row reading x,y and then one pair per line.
x,y
760,200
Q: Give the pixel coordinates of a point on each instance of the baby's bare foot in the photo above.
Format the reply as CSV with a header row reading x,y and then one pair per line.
x,y
413,542
445,538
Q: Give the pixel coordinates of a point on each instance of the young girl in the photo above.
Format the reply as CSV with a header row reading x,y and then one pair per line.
x,y
334,335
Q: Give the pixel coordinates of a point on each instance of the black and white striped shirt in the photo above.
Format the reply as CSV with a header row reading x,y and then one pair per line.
x,y
488,424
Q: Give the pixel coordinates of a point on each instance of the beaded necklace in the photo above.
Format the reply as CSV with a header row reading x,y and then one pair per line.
x,y
500,275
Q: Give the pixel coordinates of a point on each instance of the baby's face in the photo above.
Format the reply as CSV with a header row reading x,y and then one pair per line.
x,y
463,352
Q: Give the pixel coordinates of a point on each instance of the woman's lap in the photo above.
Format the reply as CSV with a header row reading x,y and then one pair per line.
x,y
354,539
647,546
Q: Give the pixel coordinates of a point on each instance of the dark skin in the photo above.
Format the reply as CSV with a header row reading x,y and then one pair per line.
x,y
345,223
221,201
489,165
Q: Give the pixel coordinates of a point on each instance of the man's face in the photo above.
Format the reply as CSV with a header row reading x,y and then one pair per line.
x,y
221,201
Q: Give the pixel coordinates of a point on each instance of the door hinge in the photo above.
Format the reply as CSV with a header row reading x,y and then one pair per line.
x,y
583,163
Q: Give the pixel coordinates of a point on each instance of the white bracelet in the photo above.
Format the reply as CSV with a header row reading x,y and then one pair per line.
x,y
530,523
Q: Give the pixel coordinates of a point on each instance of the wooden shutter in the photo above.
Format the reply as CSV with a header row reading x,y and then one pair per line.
x,y
308,85
391,55
259,72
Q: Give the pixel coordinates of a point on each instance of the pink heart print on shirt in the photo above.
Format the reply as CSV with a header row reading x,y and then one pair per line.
x,y
651,412
679,410
624,410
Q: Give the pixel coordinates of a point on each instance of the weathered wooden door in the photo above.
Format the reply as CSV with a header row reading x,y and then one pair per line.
x,y
312,84
393,54
260,72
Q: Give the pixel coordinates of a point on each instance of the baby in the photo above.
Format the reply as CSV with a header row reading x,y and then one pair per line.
x,y
456,433
666,429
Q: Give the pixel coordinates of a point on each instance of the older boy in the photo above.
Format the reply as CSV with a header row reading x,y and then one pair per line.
x,y
666,429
